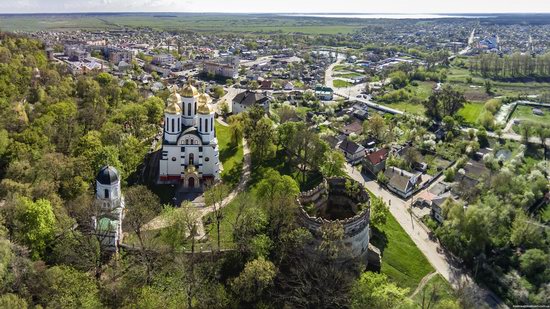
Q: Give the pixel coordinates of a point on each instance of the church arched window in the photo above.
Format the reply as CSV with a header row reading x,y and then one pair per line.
x,y
211,125
173,126
188,109
106,192
179,124
206,125
200,124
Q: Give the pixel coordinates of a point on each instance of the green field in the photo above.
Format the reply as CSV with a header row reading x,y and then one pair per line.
x,y
402,261
231,155
348,75
417,109
338,83
226,23
525,112
471,112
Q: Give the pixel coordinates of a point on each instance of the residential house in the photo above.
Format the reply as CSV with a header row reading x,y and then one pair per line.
x,y
355,127
324,93
401,182
245,100
376,161
354,152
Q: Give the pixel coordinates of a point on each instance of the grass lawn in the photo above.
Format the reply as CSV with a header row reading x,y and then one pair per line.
x,y
338,83
231,155
439,288
417,109
226,225
348,75
402,261
525,112
471,112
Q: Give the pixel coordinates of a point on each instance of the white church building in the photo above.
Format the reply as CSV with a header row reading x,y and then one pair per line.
x,y
190,153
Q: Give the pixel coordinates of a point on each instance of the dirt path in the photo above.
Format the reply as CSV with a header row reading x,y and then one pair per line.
x,y
423,283
160,222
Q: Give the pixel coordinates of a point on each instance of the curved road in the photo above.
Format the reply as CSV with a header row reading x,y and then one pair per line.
x,y
457,276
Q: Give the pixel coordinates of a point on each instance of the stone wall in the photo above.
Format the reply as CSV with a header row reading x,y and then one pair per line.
x,y
356,228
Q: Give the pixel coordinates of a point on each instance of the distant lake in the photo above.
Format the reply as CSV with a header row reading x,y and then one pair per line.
x,y
389,16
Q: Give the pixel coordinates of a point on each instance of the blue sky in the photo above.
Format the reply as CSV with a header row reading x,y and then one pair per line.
x,y
278,6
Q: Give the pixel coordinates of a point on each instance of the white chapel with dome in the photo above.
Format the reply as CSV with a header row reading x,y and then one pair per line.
x,y
190,153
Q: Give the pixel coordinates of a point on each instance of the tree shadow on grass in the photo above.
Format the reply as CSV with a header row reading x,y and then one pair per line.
x,y
379,239
228,152
233,176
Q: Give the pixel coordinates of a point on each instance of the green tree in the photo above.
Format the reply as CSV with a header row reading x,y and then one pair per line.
x,y
214,197
142,205
375,127
12,301
257,277
374,290
35,224
524,233
65,287
533,262
334,164
261,140
379,212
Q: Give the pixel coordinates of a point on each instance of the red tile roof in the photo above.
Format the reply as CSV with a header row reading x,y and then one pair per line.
x,y
378,156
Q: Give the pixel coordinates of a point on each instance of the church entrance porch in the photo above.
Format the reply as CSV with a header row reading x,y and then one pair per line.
x,y
190,179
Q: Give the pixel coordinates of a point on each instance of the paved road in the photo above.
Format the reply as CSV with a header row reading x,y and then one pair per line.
x,y
370,104
329,80
431,249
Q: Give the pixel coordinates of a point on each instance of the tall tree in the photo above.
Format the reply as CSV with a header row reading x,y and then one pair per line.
x,y
142,206
214,197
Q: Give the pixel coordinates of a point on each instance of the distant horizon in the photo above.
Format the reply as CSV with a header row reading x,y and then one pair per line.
x,y
275,7
280,13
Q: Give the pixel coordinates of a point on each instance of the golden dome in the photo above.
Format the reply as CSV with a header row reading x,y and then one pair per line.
x,y
173,106
174,97
203,107
189,91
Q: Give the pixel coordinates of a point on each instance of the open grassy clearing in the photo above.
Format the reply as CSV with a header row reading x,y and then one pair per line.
x,y
338,83
525,113
402,261
348,75
231,155
471,112
417,109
